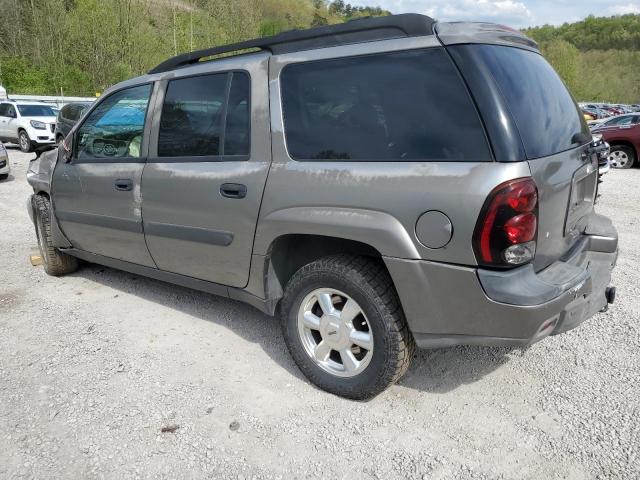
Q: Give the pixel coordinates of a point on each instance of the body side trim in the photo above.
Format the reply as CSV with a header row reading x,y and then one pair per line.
x,y
192,234
105,221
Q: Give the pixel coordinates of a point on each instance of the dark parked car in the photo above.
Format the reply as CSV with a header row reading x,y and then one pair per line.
x,y
68,117
623,134
381,184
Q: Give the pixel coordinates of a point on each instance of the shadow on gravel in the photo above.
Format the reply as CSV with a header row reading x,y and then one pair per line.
x,y
434,371
244,320
445,369
10,178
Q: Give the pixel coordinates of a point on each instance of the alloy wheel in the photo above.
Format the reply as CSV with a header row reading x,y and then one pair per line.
x,y
618,159
335,332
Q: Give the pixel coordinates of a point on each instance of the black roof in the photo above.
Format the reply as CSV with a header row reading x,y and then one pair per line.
x,y
355,31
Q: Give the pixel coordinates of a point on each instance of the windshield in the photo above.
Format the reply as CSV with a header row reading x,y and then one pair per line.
x,y
36,111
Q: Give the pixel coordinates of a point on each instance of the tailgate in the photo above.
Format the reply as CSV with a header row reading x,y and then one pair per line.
x,y
566,191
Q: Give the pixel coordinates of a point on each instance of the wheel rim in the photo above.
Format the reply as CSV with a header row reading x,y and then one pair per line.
x,y
618,159
24,142
335,332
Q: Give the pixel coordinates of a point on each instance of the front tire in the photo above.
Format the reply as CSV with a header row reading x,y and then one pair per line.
x,y
344,326
55,262
622,157
24,141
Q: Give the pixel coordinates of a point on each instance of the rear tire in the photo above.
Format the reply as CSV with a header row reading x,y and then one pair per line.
x,y
55,262
622,157
383,346
25,142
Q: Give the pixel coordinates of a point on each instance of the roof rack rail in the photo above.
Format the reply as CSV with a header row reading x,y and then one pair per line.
x,y
354,31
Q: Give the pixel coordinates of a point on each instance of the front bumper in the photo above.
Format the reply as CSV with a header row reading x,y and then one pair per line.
x,y
41,137
449,305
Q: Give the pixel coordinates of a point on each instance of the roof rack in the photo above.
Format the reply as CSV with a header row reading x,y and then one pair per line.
x,y
354,31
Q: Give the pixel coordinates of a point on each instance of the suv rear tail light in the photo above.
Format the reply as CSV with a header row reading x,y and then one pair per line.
x,y
506,231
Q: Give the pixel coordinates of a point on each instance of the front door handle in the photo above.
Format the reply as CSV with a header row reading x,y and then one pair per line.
x,y
233,190
124,185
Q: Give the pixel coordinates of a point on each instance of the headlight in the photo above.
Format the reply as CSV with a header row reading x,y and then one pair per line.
x,y
38,125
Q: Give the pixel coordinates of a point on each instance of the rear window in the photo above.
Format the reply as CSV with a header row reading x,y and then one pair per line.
x,y
401,106
545,113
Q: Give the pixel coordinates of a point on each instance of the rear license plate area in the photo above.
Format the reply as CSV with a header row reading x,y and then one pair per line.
x,y
581,199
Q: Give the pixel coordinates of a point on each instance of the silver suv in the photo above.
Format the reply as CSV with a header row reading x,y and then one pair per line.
x,y
380,185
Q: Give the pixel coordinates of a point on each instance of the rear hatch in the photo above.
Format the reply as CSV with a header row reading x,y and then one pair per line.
x,y
530,116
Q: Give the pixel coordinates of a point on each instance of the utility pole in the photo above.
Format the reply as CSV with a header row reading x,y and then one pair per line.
x,y
175,43
191,29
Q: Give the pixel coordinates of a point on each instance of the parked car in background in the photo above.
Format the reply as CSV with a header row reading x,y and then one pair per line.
x,y
622,133
4,162
29,124
596,112
67,118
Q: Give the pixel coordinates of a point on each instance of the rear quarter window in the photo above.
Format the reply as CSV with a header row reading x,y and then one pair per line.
x,y
400,106
546,115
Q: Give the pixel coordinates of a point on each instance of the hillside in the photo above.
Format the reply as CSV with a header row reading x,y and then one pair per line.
x,y
80,47
599,57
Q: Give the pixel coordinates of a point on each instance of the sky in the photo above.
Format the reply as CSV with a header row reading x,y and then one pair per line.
x,y
515,13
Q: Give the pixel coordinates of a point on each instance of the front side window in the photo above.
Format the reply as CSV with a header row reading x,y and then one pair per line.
x,y
36,111
205,116
65,112
401,106
115,128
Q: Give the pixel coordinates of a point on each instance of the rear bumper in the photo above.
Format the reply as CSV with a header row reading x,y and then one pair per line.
x,y
451,305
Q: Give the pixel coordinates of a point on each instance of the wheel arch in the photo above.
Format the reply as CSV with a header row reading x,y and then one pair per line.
x,y
289,252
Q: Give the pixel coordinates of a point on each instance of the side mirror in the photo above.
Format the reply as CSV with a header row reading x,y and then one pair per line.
x,y
65,147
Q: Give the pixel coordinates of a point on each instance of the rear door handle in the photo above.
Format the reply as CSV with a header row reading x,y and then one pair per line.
x,y
233,190
124,185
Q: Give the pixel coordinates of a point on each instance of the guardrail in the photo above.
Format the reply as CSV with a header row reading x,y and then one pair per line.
x,y
58,101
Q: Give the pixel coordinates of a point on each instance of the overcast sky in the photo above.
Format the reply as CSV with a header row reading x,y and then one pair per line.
x,y
516,13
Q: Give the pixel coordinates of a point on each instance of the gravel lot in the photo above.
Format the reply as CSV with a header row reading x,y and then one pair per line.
x,y
94,365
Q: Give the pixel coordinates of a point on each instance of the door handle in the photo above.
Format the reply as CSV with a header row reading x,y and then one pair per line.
x,y
124,185
233,190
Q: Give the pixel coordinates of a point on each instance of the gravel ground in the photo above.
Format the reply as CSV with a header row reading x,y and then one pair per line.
x,y
93,366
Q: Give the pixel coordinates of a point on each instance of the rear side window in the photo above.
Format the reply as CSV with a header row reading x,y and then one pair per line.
x,y
401,106
197,121
545,113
